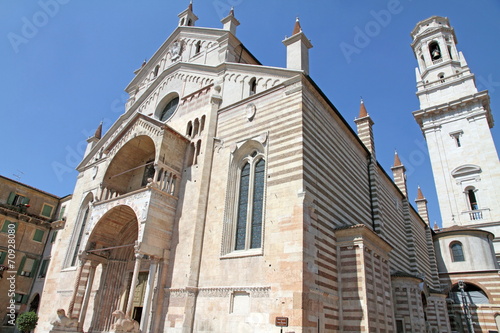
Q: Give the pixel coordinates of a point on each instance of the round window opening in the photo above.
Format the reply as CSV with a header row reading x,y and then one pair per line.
x,y
169,109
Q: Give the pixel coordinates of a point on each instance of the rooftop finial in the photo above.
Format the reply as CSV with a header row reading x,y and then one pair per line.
x,y
420,195
362,109
297,28
397,161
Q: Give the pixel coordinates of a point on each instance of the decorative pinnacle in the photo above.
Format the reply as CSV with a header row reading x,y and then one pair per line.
x,y
98,131
297,28
420,195
397,161
362,110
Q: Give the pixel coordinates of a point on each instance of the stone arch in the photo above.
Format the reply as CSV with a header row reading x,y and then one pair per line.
x,y
472,286
130,168
112,243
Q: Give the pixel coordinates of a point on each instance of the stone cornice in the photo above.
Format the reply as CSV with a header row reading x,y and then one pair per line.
x,y
256,292
481,97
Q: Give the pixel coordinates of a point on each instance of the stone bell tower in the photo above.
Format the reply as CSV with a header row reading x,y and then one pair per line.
x,y
456,119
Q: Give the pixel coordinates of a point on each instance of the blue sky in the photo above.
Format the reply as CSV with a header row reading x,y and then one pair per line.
x,y
65,64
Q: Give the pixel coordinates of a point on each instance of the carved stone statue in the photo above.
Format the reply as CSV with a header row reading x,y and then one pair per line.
x,y
176,50
63,321
124,323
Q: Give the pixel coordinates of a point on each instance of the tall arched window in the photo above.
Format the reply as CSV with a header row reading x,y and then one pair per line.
x,y
253,86
197,47
250,202
457,253
245,198
471,195
79,231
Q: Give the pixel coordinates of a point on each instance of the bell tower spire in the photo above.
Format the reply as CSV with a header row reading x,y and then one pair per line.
x,y
455,119
187,17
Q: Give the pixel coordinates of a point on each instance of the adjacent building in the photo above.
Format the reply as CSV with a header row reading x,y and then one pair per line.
x,y
29,219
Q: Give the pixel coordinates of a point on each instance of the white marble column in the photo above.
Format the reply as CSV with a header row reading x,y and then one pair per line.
x,y
133,284
146,308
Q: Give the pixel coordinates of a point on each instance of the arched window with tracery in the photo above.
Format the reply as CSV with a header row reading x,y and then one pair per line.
x,y
245,198
79,230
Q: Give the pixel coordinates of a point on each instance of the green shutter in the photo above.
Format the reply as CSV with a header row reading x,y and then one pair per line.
x,y
47,210
61,213
3,255
43,268
38,236
25,201
12,196
34,269
21,266
5,226
54,236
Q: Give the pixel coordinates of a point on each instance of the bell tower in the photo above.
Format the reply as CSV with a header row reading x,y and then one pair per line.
x,y
456,119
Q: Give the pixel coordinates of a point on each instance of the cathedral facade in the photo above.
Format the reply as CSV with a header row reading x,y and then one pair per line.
x,y
234,197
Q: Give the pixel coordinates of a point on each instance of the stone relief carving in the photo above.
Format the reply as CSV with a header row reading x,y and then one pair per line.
x,y
176,50
250,111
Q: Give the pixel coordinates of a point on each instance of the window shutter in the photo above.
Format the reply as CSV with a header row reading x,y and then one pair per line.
x,y
5,226
21,266
43,268
26,201
10,200
54,236
47,210
61,213
34,268
38,236
3,255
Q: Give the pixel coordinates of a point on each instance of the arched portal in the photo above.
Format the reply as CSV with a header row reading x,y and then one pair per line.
x,y
111,244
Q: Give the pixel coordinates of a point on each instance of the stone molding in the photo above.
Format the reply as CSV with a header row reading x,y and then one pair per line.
x,y
256,292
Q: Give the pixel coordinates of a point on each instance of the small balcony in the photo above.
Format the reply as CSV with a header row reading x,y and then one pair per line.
x,y
163,179
476,215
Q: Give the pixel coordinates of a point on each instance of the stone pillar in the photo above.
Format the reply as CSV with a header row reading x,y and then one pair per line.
x,y
88,291
146,308
82,262
135,275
